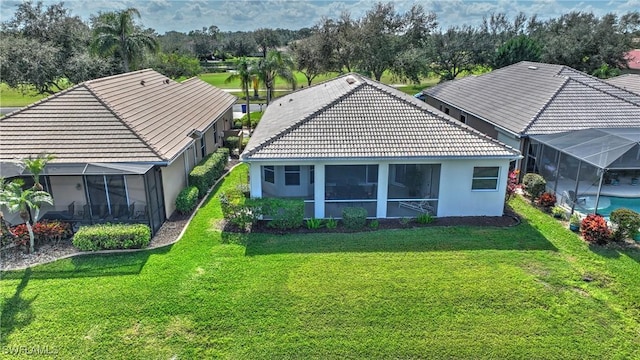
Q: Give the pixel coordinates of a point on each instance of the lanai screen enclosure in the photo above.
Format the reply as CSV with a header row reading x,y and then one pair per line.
x,y
592,170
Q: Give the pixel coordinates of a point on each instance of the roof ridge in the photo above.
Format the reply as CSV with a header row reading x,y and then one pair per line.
x,y
439,114
546,104
604,83
48,98
304,120
120,118
121,75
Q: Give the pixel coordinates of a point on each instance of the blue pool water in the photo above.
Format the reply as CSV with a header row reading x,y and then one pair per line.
x,y
618,202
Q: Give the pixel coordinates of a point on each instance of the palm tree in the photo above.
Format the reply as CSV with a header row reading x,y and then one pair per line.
x,y
116,34
36,166
245,73
16,199
276,64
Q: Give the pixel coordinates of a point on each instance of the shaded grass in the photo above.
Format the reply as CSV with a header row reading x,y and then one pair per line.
x,y
463,292
10,97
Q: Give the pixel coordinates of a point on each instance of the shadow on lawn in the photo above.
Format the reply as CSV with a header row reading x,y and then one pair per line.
x,y
520,237
97,265
17,311
614,251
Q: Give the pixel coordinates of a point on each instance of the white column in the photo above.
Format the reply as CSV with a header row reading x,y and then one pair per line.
x,y
318,191
255,180
383,189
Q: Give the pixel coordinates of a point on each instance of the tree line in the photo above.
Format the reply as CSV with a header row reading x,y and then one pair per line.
x,y
44,46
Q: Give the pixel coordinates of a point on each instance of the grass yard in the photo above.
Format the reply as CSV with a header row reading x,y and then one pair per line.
x,y
464,293
10,97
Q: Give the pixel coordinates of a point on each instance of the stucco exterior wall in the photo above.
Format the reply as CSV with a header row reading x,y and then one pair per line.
x,y
173,181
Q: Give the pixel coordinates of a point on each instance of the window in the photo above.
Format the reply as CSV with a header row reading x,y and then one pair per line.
x,y
215,134
203,147
292,175
485,178
446,110
269,174
312,174
463,118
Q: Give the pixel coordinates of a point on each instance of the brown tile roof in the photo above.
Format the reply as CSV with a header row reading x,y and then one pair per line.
x,y
629,82
139,116
355,117
537,98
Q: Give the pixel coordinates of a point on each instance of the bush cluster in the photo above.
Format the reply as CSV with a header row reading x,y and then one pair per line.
x,y
627,223
237,209
205,174
547,200
232,142
187,199
595,230
43,231
284,213
534,184
354,217
112,236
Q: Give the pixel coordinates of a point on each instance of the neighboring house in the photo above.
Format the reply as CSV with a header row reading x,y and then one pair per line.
x,y
629,82
123,144
633,61
524,104
352,141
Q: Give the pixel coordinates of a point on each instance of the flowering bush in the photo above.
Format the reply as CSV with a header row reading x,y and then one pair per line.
x,y
547,200
595,229
512,183
43,231
534,184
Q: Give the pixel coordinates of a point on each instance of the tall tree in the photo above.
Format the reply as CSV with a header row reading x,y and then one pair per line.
x,y
266,39
175,65
451,52
275,65
44,46
519,48
308,57
245,73
410,63
116,34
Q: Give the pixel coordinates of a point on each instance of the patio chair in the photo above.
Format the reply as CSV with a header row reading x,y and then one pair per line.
x,y
419,206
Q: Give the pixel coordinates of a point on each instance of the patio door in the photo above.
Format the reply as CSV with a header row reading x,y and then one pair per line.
x,y
106,192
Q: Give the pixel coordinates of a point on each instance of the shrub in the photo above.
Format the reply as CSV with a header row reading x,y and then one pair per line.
x,y
512,183
594,229
237,209
187,199
354,217
232,142
43,231
331,223
205,174
112,236
374,224
534,184
284,213
559,213
425,218
314,223
547,200
627,222
405,221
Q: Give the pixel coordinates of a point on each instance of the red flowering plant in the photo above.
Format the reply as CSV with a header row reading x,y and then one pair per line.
x,y
547,200
43,231
512,183
595,230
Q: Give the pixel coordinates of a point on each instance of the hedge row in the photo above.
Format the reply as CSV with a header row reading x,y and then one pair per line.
x,y
187,199
112,236
239,210
205,174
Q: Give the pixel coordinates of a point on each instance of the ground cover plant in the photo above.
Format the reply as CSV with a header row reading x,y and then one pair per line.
x,y
532,291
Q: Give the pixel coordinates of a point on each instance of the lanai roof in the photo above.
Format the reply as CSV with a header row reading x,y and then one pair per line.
x,y
355,117
140,116
536,98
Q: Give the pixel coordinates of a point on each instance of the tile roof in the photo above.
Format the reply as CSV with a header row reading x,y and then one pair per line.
x,y
535,98
355,117
139,116
629,82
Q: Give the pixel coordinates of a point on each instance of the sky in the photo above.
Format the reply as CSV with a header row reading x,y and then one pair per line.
x,y
241,15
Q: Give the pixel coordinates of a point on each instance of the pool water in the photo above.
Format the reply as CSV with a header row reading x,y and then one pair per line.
x,y
618,202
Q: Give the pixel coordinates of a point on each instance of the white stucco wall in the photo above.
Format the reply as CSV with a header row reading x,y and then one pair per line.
x,y
456,196
173,181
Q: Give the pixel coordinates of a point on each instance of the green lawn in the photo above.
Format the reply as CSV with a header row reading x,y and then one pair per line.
x,y
439,292
10,97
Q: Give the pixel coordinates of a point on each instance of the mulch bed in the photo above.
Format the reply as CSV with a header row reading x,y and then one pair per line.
x,y
507,220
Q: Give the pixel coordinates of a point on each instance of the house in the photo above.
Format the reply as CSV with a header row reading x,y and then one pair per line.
x,y
525,104
123,144
352,141
629,82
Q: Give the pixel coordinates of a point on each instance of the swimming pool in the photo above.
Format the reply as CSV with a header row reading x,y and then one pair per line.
x,y
619,202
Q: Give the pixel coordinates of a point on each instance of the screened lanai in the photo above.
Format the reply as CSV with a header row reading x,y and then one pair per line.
x,y
592,170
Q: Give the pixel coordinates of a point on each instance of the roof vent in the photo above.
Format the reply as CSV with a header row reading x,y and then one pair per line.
x,y
166,81
350,80
532,67
142,82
